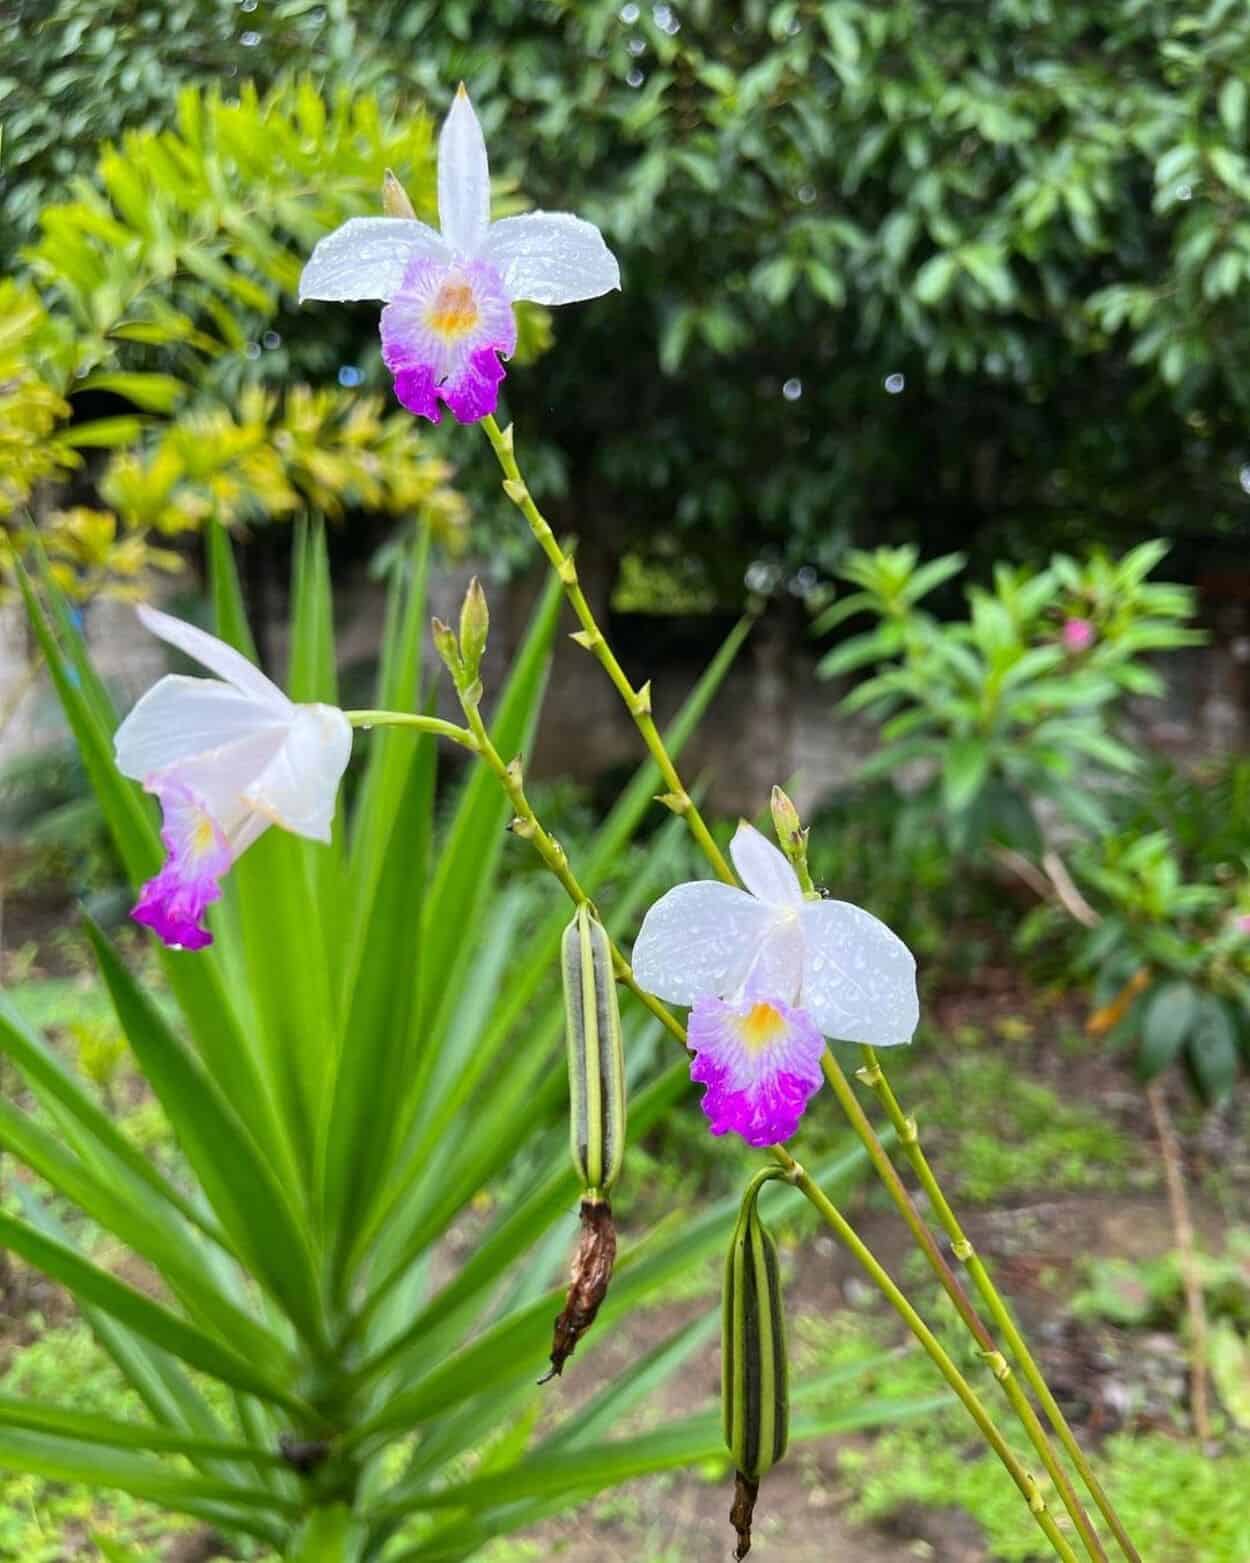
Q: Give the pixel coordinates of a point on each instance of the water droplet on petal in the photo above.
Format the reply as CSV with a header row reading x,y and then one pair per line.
x,y
894,383
1243,477
792,389
629,14
249,40
634,77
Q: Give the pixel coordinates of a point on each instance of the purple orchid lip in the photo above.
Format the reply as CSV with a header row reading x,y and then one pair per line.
x,y
443,335
760,1061
173,903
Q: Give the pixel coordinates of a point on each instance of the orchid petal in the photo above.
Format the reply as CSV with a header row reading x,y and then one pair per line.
x,y
859,979
298,788
699,939
180,718
463,178
367,258
763,869
778,959
551,258
217,657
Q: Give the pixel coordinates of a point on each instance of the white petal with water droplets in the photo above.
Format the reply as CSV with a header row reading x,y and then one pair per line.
x,y
697,940
463,179
551,258
764,870
859,979
367,258
776,970
298,788
216,656
180,717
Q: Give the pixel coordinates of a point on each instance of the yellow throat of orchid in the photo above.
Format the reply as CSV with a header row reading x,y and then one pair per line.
x,y
454,311
761,1026
203,836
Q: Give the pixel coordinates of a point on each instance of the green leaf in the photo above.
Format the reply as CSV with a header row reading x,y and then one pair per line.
x,y
151,1320
1212,1049
152,392
60,1460
249,1201
1169,1015
965,767
934,279
93,1428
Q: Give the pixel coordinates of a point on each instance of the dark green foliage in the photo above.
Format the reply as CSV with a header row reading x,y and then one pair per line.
x,y
1034,214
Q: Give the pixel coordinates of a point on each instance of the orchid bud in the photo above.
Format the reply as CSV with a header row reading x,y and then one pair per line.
x,y
395,199
786,820
755,1381
448,650
474,628
791,836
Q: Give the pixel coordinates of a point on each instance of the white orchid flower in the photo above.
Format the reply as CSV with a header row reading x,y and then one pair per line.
x,y
227,757
449,294
768,974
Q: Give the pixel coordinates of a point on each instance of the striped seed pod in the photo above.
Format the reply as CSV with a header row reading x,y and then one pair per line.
x,y
596,1057
596,1121
755,1380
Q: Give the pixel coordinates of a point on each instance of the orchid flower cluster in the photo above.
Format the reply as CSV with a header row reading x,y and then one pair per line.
x,y
768,972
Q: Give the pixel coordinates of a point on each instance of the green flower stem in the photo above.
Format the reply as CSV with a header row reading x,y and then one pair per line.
x,y
637,701
851,1240
874,1076
424,724
951,1285
527,825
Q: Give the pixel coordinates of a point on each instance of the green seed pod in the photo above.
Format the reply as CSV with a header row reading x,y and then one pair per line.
x,y
596,1056
755,1381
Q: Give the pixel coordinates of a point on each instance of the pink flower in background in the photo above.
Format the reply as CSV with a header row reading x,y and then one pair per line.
x,y
1242,923
1077,635
226,757
449,295
768,975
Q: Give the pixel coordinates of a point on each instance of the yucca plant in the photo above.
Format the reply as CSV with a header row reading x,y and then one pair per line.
x,y
374,1040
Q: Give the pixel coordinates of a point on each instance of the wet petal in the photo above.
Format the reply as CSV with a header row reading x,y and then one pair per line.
x,y
299,787
698,940
777,964
760,1062
367,258
216,656
763,869
551,258
180,718
463,178
859,979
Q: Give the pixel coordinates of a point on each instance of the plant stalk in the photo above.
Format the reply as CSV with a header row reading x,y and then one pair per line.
x,y
1183,1227
593,639
932,1347
951,1285
527,824
637,701
874,1076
